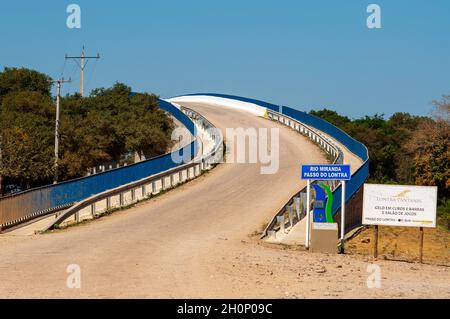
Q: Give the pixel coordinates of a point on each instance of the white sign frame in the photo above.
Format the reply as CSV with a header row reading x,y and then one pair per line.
x,y
400,205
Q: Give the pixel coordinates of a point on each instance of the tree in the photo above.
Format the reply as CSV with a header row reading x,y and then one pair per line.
x,y
18,80
106,126
442,108
333,117
26,126
430,148
109,125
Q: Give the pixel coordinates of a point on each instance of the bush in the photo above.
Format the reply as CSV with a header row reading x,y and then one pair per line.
x,y
444,213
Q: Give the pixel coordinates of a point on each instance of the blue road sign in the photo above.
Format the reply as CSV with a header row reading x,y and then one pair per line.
x,y
327,172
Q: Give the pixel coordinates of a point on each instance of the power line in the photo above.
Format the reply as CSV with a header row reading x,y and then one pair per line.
x,y
82,64
91,75
63,68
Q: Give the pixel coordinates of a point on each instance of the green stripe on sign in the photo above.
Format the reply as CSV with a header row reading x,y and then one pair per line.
x,y
329,206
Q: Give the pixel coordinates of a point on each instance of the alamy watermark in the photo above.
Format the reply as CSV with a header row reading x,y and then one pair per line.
x,y
374,19
244,146
73,281
374,278
74,19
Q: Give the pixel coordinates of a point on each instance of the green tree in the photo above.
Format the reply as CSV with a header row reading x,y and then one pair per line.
x,y
18,80
333,117
109,125
26,127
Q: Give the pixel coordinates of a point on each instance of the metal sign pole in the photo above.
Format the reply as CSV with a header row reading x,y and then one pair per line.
x,y
308,205
421,246
343,217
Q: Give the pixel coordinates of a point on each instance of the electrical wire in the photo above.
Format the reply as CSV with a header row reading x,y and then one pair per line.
x,y
91,75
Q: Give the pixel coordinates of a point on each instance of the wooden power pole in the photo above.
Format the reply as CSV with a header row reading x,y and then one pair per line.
x,y
82,64
58,98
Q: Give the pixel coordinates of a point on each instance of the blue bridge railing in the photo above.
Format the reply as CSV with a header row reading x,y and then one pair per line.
x,y
354,146
36,202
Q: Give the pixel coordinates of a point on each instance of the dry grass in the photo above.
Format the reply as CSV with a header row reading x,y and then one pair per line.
x,y
402,243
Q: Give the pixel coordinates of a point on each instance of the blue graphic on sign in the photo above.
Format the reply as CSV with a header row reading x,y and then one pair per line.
x,y
326,172
319,205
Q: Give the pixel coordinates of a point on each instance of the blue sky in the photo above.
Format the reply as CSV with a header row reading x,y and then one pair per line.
x,y
305,54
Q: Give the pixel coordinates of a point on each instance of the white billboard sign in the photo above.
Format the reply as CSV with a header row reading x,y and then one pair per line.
x,y
397,205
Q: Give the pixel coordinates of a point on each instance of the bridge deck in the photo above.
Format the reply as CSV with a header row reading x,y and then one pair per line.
x,y
176,245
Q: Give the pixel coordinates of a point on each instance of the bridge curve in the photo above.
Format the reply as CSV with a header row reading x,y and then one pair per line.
x,y
181,244
174,245
330,138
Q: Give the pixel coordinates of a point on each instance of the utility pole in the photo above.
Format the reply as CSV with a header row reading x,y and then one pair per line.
x,y
58,98
82,66
1,178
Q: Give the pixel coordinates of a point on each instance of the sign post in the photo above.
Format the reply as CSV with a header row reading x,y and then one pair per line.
x,y
308,213
421,246
375,243
325,172
342,217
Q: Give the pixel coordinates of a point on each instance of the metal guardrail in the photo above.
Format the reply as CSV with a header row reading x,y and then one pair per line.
x,y
38,202
319,127
141,189
359,177
216,155
322,125
315,135
297,199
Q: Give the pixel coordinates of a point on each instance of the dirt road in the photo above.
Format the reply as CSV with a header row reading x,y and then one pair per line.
x,y
196,241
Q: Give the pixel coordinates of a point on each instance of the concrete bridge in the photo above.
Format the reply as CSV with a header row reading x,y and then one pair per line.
x,y
183,243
